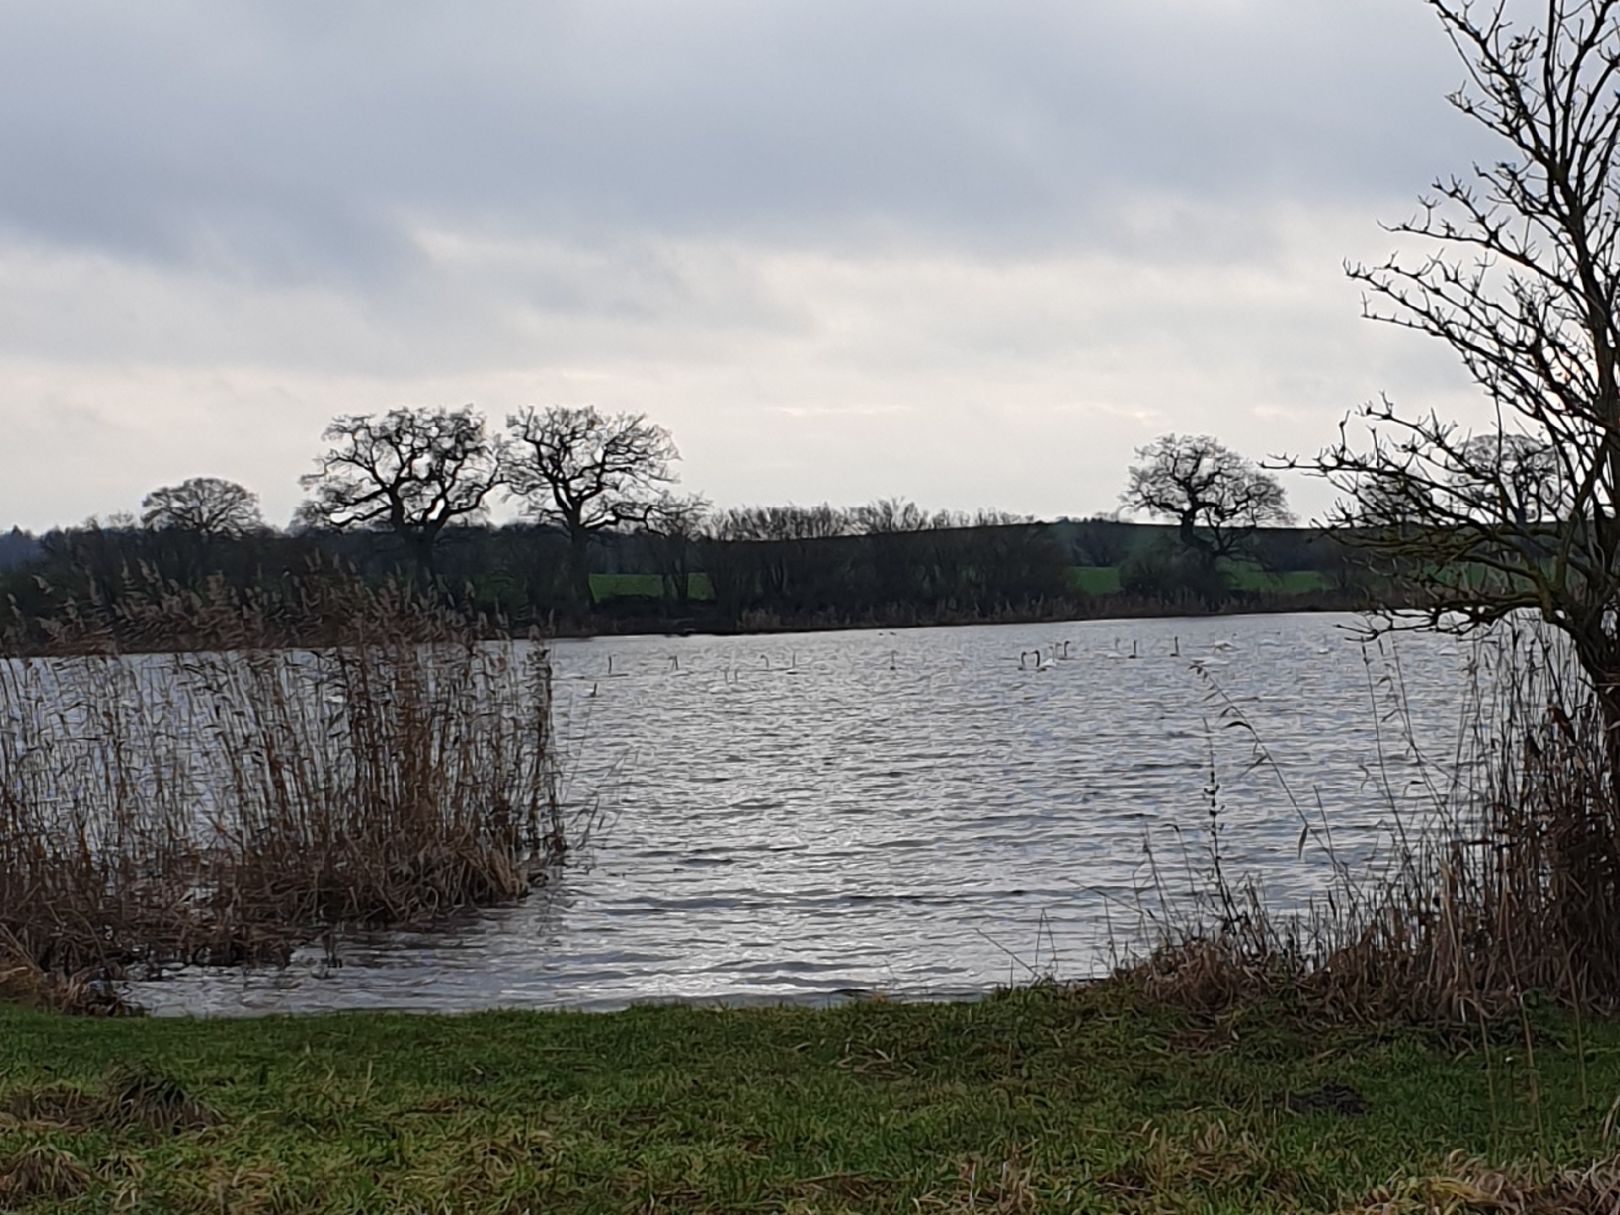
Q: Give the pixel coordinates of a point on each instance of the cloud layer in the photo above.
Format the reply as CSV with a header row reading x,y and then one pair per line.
x,y
965,252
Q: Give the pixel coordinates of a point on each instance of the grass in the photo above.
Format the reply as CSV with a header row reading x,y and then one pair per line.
x,y
645,586
1289,582
1105,579
1095,579
1032,1101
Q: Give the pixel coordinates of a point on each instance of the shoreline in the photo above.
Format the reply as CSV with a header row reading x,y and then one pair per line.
x,y
1116,608
809,1002
1300,605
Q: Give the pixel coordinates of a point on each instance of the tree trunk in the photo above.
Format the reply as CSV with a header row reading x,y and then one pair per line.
x,y
683,575
579,560
420,547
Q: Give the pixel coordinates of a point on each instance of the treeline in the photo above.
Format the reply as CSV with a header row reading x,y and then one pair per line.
x,y
883,562
747,568
17,547
607,543
790,563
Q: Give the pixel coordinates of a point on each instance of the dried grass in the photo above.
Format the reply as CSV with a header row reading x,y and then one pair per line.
x,y
1470,1187
24,981
130,1098
41,1172
1212,1158
1005,1187
142,1099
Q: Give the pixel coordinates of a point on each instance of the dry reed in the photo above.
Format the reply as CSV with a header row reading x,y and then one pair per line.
x,y
225,802
1509,885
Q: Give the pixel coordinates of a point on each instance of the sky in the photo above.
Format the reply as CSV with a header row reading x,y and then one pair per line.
x,y
967,253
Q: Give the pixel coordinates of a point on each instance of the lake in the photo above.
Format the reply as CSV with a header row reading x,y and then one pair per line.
x,y
923,813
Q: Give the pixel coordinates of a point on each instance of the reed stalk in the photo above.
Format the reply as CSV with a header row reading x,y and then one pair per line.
x,y
229,799
1503,883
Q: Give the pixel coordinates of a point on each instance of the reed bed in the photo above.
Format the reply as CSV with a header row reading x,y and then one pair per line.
x,y
1504,886
225,803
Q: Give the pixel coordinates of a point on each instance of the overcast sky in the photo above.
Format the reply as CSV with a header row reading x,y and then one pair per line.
x,y
968,253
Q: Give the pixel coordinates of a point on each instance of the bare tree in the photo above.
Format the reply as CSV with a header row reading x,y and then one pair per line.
x,y
588,471
675,526
773,550
204,506
412,471
888,516
985,516
1525,468
1216,498
1102,539
788,522
1521,279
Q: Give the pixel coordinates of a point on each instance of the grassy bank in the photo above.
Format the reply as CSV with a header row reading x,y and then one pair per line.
x,y
1041,1100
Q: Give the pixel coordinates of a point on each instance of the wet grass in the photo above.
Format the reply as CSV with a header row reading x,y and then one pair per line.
x,y
1040,1100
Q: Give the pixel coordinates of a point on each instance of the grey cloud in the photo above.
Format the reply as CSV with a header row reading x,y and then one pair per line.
x,y
970,252
302,142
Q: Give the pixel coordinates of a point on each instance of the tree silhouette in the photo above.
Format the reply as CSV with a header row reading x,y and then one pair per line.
x,y
205,506
675,526
1216,498
588,471
412,471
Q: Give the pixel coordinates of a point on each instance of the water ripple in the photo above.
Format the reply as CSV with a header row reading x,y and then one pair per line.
x,y
790,818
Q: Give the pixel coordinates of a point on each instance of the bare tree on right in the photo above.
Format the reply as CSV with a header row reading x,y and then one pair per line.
x,y
1520,278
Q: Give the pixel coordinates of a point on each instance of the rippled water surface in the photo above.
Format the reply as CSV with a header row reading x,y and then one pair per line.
x,y
920,812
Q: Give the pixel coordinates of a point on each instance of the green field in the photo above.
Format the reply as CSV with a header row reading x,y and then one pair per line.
x,y
1095,579
1092,579
1038,1101
613,586
1105,579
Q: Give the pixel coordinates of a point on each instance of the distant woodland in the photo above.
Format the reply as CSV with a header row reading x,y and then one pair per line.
x,y
608,545
793,568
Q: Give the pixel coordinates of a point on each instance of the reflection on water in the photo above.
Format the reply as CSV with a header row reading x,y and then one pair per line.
x,y
919,812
